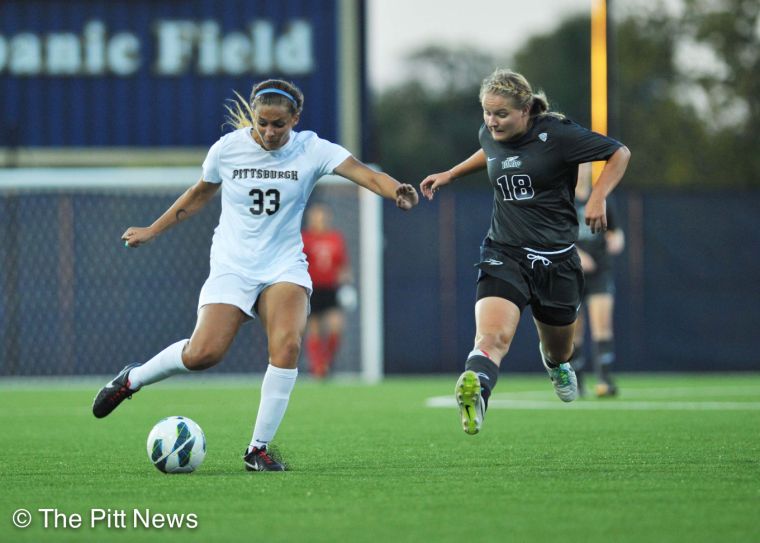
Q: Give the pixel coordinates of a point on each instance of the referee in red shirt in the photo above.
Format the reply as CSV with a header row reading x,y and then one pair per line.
x,y
329,267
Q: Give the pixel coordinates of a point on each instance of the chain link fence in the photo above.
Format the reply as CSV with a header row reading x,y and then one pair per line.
x,y
75,301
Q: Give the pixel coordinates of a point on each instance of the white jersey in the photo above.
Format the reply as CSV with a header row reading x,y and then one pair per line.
x,y
264,194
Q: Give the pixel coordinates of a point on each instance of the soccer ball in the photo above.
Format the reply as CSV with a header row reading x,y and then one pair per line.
x,y
176,445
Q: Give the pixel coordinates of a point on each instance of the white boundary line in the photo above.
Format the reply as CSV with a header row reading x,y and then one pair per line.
x,y
535,400
606,405
646,393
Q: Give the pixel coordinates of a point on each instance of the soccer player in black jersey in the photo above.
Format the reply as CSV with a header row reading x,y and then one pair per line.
x,y
528,256
596,253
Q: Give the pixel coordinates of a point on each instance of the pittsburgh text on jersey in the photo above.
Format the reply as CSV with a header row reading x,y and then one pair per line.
x,y
259,173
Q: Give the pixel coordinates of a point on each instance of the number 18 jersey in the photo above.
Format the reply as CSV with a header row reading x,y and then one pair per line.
x,y
534,179
264,194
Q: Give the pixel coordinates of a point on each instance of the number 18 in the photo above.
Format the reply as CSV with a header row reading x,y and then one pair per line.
x,y
518,187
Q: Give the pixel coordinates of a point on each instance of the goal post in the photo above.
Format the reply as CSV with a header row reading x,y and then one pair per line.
x,y
371,285
75,302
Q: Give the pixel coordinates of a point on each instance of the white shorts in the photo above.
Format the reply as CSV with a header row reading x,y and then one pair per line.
x,y
228,287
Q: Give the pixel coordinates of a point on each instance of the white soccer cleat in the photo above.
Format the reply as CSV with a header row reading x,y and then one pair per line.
x,y
470,401
563,378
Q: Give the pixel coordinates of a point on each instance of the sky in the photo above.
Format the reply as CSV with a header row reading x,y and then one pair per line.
x,y
398,27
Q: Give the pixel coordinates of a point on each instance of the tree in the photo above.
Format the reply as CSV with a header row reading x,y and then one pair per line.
x,y
730,30
425,123
559,64
666,136
686,127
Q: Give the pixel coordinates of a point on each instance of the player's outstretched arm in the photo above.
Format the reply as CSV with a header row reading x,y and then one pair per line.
x,y
405,195
430,185
188,204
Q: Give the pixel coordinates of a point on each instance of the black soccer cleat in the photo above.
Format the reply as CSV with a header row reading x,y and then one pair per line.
x,y
606,389
581,378
115,392
259,460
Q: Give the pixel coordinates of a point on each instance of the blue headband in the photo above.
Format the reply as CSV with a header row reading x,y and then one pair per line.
x,y
276,91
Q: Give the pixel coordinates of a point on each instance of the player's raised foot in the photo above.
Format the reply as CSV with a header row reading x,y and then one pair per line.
x,y
563,378
256,459
606,389
115,392
470,402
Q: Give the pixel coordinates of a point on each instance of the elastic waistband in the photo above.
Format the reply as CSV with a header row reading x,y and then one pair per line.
x,y
550,253
557,255
532,255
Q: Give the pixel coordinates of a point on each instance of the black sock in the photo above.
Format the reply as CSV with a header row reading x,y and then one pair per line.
x,y
578,360
487,371
604,357
554,364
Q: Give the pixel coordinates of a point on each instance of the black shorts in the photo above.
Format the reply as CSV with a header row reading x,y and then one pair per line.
x,y
551,283
323,299
599,282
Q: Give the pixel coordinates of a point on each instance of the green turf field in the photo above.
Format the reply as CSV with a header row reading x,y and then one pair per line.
x,y
674,458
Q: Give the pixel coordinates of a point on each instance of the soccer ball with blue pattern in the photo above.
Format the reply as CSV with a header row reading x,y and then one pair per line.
x,y
176,445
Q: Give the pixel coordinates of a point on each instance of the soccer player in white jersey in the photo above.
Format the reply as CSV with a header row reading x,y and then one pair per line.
x,y
266,171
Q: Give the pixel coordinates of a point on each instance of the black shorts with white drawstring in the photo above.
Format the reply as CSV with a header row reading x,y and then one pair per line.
x,y
551,282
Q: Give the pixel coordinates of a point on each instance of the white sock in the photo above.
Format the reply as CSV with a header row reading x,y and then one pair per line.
x,y
165,364
275,393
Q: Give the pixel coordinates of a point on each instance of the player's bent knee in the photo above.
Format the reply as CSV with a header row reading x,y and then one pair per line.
x,y
497,343
285,353
201,359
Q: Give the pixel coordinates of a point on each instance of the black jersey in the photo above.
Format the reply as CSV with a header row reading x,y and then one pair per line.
x,y
534,179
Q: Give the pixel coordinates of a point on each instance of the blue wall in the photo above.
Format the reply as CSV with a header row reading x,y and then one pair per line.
x,y
74,301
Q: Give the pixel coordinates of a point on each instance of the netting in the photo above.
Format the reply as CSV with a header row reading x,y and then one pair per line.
x,y
74,301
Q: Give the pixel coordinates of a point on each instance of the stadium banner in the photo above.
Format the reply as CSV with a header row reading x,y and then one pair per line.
x,y
156,74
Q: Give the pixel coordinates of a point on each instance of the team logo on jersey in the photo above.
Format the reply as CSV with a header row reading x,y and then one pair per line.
x,y
543,136
511,162
493,262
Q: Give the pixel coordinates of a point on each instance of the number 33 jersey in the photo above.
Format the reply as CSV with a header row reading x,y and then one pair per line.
x,y
534,178
264,194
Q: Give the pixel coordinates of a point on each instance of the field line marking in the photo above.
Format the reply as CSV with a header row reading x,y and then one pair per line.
x,y
608,404
644,392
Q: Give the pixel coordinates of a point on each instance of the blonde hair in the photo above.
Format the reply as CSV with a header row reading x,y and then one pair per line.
x,y
516,88
282,93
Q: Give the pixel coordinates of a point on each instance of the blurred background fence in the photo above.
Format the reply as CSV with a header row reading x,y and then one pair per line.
x,y
688,283
74,300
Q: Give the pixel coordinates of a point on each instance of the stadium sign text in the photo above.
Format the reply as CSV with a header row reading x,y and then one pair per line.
x,y
180,47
